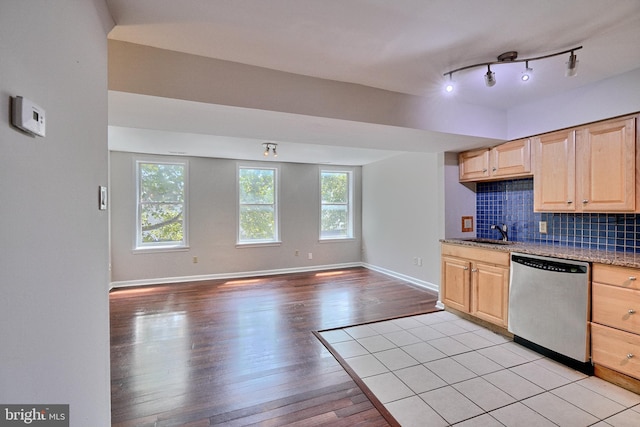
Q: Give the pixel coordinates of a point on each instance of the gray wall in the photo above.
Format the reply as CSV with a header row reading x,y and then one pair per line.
x,y
158,72
212,225
402,217
54,308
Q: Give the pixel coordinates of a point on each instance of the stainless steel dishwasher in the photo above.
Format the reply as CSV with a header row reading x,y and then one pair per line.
x,y
549,307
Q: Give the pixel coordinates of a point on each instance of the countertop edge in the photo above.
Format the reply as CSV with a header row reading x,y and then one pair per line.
x,y
622,259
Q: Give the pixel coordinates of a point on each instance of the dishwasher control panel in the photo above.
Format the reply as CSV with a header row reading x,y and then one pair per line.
x,y
549,265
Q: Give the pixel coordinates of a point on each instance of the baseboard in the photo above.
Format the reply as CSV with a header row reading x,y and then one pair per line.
x,y
420,283
225,276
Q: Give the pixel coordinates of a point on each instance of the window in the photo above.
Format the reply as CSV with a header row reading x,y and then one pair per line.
x,y
336,215
161,219
258,210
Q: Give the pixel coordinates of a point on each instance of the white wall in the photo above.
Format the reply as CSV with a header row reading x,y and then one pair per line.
x,y
54,311
159,72
608,98
402,216
459,199
212,224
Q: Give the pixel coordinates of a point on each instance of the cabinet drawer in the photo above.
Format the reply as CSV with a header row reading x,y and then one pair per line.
x,y
617,276
477,254
616,307
615,349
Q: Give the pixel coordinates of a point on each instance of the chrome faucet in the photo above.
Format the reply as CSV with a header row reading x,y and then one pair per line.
x,y
502,230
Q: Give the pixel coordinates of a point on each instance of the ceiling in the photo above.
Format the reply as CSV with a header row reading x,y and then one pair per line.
x,y
403,46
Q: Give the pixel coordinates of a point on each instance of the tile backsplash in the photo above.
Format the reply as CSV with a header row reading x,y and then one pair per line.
x,y
511,202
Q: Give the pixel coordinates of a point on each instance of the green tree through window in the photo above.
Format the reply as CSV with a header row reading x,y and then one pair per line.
x,y
161,204
335,192
258,214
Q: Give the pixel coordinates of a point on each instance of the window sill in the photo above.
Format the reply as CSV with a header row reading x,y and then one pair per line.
x,y
159,249
337,239
258,244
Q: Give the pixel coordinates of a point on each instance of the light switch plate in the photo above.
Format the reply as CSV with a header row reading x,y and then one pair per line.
x,y
102,198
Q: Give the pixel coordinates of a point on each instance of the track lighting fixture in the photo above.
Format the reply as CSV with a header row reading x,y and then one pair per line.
x,y
526,74
512,57
490,77
449,87
572,65
270,146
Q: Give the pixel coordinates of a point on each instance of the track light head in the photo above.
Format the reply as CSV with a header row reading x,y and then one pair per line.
x,y
526,74
572,65
449,87
490,77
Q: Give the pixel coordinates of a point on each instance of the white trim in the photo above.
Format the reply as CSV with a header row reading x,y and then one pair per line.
x,y
221,276
238,275
259,244
349,204
420,283
138,245
276,202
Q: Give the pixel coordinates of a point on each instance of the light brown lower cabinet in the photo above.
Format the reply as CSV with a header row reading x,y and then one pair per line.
x,y
476,281
615,319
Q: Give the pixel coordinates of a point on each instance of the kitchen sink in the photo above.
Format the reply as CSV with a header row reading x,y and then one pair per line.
x,y
489,241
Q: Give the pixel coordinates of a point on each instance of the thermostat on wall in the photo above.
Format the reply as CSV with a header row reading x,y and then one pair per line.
x,y
28,116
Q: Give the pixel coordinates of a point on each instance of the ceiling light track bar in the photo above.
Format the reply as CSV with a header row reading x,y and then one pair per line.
x,y
511,59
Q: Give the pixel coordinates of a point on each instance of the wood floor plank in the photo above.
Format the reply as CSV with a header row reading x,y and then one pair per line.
x,y
242,352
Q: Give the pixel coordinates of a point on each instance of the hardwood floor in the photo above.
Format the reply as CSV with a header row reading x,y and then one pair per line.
x,y
242,352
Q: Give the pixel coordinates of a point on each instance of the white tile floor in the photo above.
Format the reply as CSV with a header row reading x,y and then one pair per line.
x,y
438,369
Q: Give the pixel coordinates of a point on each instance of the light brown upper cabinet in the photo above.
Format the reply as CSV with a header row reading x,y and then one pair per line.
x,y
606,166
509,160
587,169
554,171
474,165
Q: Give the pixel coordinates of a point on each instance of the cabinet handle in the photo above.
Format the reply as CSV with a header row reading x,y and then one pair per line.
x,y
473,270
495,169
631,311
632,278
569,202
465,268
629,356
484,170
585,201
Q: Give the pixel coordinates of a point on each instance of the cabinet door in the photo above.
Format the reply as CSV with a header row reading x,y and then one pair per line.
x,y
606,167
455,283
554,172
511,159
490,293
474,165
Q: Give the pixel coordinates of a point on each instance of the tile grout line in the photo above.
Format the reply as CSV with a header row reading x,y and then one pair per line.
x,y
361,383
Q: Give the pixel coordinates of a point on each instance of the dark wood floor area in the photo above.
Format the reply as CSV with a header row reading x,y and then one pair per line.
x,y
242,352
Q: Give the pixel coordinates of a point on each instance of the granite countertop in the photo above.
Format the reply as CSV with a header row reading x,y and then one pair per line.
x,y
622,259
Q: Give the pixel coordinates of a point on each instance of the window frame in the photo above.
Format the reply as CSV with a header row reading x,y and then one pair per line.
x,y
275,241
139,245
349,204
